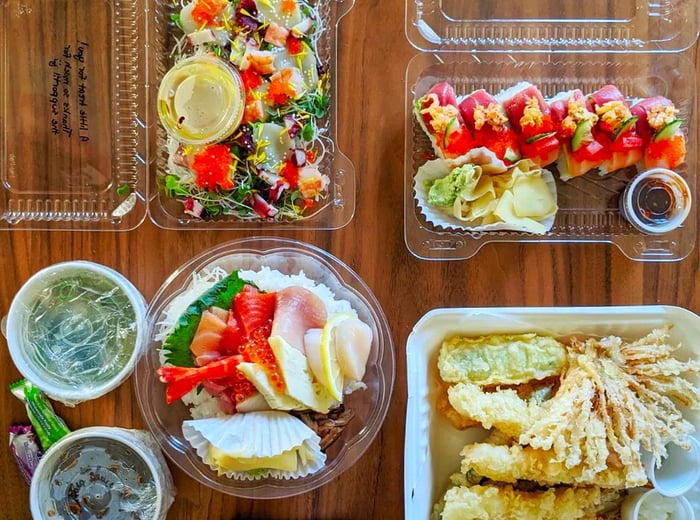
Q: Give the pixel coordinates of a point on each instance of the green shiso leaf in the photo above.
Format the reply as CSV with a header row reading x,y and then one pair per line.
x,y
178,342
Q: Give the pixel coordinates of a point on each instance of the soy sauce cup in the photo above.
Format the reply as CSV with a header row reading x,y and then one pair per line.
x,y
678,472
652,505
656,201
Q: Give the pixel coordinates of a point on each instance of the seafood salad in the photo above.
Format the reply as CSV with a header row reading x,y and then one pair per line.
x,y
245,107
264,361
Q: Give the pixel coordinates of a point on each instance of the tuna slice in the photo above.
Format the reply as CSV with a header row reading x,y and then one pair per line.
x,y
297,310
606,94
445,93
641,109
207,337
469,103
559,104
515,98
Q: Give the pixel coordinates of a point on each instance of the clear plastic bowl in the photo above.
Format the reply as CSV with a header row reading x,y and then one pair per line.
x,y
370,406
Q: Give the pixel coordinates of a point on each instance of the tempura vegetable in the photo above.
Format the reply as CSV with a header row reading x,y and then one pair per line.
x,y
506,503
500,359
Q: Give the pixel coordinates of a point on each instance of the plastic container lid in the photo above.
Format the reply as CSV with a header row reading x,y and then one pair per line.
x,y
73,151
101,472
75,330
639,25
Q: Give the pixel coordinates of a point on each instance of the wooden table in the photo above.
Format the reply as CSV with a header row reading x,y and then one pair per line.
x,y
373,56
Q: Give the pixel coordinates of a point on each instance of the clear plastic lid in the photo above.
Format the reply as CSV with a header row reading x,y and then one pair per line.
x,y
589,204
72,148
639,25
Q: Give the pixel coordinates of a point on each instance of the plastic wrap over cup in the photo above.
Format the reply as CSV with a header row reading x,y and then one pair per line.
x,y
75,330
102,472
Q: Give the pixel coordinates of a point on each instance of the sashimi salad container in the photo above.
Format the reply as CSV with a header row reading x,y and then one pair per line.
x,y
269,368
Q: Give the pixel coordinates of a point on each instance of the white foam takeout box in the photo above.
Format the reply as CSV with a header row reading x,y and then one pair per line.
x,y
431,450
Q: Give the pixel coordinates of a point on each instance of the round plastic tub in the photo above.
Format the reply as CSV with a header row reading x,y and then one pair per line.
x,y
102,472
369,405
75,330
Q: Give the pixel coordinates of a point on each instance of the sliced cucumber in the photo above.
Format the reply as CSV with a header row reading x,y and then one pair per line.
x,y
624,126
452,127
668,130
582,135
511,155
539,137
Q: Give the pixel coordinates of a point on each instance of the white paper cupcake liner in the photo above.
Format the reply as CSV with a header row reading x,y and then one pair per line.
x,y
257,434
439,168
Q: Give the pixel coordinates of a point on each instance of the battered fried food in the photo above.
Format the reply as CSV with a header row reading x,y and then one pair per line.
x,y
503,409
500,359
505,503
613,401
511,464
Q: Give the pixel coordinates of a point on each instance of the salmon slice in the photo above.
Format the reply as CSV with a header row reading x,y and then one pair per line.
x,y
297,311
208,334
253,309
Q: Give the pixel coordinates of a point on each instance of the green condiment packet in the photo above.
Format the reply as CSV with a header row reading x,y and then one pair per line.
x,y
49,427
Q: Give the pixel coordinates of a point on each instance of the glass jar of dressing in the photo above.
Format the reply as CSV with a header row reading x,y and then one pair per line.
x,y
656,201
201,100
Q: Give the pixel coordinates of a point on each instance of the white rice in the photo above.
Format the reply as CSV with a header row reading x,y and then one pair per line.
x,y
203,405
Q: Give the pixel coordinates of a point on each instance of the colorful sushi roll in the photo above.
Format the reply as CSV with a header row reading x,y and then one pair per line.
x,y
440,119
658,125
531,118
582,150
616,128
486,118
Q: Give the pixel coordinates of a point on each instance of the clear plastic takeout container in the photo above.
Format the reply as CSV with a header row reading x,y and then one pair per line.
x,y
432,444
370,405
588,205
637,25
72,152
338,207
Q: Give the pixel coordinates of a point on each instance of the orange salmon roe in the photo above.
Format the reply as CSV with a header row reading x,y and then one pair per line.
x,y
257,350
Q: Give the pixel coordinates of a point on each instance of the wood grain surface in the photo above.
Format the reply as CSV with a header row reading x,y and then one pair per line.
x,y
373,55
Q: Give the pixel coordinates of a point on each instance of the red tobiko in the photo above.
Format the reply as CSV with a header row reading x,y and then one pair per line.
x,y
212,166
251,79
205,12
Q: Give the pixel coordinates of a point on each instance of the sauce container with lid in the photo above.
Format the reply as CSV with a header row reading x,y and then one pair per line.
x,y
201,100
656,201
75,330
101,472
651,505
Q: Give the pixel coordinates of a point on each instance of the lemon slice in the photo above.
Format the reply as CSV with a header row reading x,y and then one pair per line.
x,y
332,375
